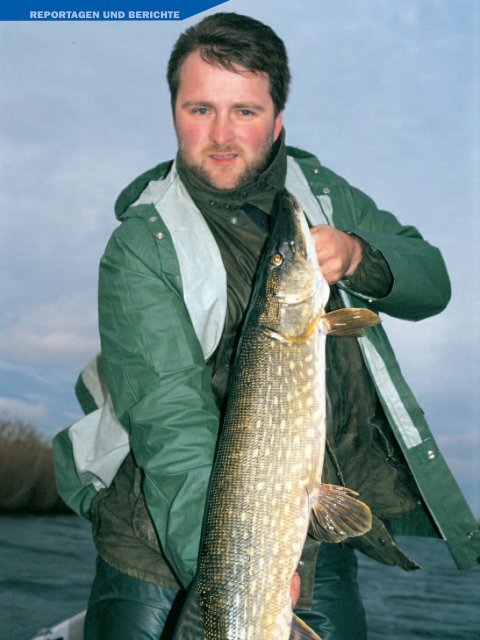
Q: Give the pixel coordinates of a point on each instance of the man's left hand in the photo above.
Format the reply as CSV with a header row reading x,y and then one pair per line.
x,y
338,253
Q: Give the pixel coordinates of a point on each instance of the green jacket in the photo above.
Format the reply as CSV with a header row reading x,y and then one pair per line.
x,y
162,302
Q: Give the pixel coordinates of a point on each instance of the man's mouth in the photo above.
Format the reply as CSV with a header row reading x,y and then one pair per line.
x,y
222,157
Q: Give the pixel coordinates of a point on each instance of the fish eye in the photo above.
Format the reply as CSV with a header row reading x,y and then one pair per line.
x,y
276,259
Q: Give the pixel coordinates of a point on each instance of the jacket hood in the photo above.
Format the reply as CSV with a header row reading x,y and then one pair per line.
x,y
132,192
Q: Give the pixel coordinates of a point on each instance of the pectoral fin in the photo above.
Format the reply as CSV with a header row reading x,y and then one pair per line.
x,y
301,631
348,322
338,515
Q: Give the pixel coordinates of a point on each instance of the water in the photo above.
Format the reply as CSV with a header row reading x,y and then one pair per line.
x,y
47,565
46,568
438,602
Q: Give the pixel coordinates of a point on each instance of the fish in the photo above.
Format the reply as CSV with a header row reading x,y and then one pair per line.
x,y
265,489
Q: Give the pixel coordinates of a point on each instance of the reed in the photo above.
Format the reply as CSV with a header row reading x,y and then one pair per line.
x,y
27,478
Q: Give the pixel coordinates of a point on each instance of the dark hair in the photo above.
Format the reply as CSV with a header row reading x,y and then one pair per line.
x,y
229,39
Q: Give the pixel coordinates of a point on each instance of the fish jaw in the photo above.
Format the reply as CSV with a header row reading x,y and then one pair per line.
x,y
294,290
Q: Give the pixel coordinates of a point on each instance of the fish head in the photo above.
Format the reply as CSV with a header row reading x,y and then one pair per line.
x,y
294,291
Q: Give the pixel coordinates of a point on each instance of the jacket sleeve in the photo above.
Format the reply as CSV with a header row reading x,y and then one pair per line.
x,y
421,286
160,386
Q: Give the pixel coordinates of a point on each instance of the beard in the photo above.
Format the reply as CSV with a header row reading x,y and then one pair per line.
x,y
250,173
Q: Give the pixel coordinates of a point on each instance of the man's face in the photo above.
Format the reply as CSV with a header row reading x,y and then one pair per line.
x,y
225,122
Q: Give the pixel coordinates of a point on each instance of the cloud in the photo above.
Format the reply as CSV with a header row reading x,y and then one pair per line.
x,y
456,447
30,413
59,331
462,452
435,354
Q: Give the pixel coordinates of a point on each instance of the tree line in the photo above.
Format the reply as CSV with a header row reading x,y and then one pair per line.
x,y
27,477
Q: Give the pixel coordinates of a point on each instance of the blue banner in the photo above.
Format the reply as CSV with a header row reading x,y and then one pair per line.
x,y
91,10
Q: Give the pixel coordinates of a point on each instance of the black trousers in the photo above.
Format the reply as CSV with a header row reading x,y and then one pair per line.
x,y
337,611
125,608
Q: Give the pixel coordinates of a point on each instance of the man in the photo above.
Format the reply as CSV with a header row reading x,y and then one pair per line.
x,y
175,281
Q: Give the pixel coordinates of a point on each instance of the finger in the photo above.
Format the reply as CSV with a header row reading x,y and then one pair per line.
x,y
295,585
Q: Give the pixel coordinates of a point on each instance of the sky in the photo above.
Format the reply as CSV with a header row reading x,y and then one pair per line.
x,y
386,94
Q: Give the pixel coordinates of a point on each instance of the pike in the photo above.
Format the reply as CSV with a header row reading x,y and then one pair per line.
x,y
266,484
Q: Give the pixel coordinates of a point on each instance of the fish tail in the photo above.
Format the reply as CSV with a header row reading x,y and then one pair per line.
x,y
301,631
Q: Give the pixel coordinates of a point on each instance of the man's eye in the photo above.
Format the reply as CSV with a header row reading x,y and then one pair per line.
x,y
201,111
246,112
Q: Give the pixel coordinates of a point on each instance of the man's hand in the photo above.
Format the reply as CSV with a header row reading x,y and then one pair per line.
x,y
295,588
338,253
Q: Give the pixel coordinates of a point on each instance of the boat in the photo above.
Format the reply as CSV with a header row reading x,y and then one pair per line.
x,y
69,629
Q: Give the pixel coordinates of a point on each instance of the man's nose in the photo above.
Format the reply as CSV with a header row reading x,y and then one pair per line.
x,y
222,132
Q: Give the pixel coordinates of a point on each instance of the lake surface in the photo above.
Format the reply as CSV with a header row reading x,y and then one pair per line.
x,y
47,565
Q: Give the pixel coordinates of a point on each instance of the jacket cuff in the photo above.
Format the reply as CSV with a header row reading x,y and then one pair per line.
x,y
372,277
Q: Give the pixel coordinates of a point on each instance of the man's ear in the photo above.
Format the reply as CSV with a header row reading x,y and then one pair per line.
x,y
277,126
